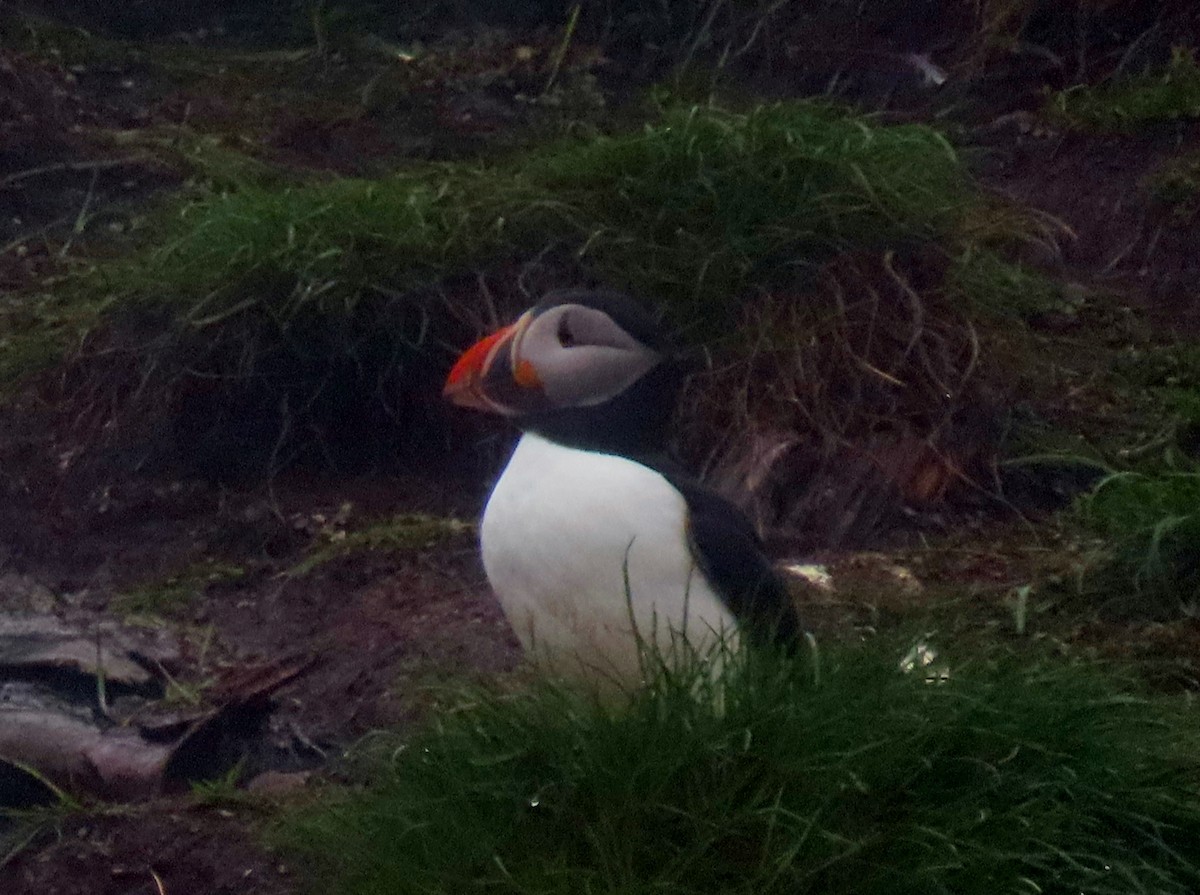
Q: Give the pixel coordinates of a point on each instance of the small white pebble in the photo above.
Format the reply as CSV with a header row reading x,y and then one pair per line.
x,y
816,575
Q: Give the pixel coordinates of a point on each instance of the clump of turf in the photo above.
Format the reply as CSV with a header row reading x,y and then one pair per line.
x,y
1006,289
689,208
850,778
1176,184
1153,523
1168,94
320,310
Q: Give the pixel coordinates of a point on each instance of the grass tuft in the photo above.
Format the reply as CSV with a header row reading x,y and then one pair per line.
x,y
1011,776
1176,184
35,332
690,207
1153,522
1006,289
401,533
319,310
1169,94
177,593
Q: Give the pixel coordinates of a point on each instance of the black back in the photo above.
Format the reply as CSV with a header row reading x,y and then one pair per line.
x,y
729,553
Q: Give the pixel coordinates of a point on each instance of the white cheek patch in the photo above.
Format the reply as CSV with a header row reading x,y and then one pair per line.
x,y
600,360
592,327
587,375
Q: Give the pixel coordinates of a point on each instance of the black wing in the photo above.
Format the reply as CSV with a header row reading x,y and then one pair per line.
x,y
730,554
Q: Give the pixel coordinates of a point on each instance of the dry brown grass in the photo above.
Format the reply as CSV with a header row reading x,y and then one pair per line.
x,y
866,393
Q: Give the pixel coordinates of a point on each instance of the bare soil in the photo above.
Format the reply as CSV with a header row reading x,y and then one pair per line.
x,y
1119,237
381,627
146,850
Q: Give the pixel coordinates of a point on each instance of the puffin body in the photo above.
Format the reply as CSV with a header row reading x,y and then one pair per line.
x,y
594,542
583,548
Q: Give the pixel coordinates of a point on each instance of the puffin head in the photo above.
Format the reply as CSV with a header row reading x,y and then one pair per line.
x,y
584,367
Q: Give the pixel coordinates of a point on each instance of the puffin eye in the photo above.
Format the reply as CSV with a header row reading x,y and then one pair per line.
x,y
565,337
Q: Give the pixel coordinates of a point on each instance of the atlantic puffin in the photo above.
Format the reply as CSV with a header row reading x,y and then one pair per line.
x,y
594,540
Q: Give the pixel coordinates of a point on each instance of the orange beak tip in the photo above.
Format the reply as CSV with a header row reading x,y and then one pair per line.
x,y
462,386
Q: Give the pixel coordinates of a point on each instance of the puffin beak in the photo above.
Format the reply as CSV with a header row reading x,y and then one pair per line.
x,y
489,367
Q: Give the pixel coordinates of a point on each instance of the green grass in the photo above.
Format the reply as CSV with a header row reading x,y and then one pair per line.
x,y
1153,524
25,350
992,284
176,593
1166,375
224,791
1176,184
401,533
36,331
298,306
1169,94
695,207
1149,513
1014,776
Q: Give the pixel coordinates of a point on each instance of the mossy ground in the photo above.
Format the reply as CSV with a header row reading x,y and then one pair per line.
x,y
177,594
407,533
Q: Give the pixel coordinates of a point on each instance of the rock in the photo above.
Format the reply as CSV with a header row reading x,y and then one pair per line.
x,y
810,574
20,592
33,643
279,783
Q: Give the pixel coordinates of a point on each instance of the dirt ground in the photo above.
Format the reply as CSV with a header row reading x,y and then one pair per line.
x,y
372,628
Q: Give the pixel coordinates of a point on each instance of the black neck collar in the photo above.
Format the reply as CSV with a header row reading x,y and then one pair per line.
x,y
634,424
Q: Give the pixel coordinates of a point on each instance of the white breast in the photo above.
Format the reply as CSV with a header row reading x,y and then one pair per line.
x,y
583,549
